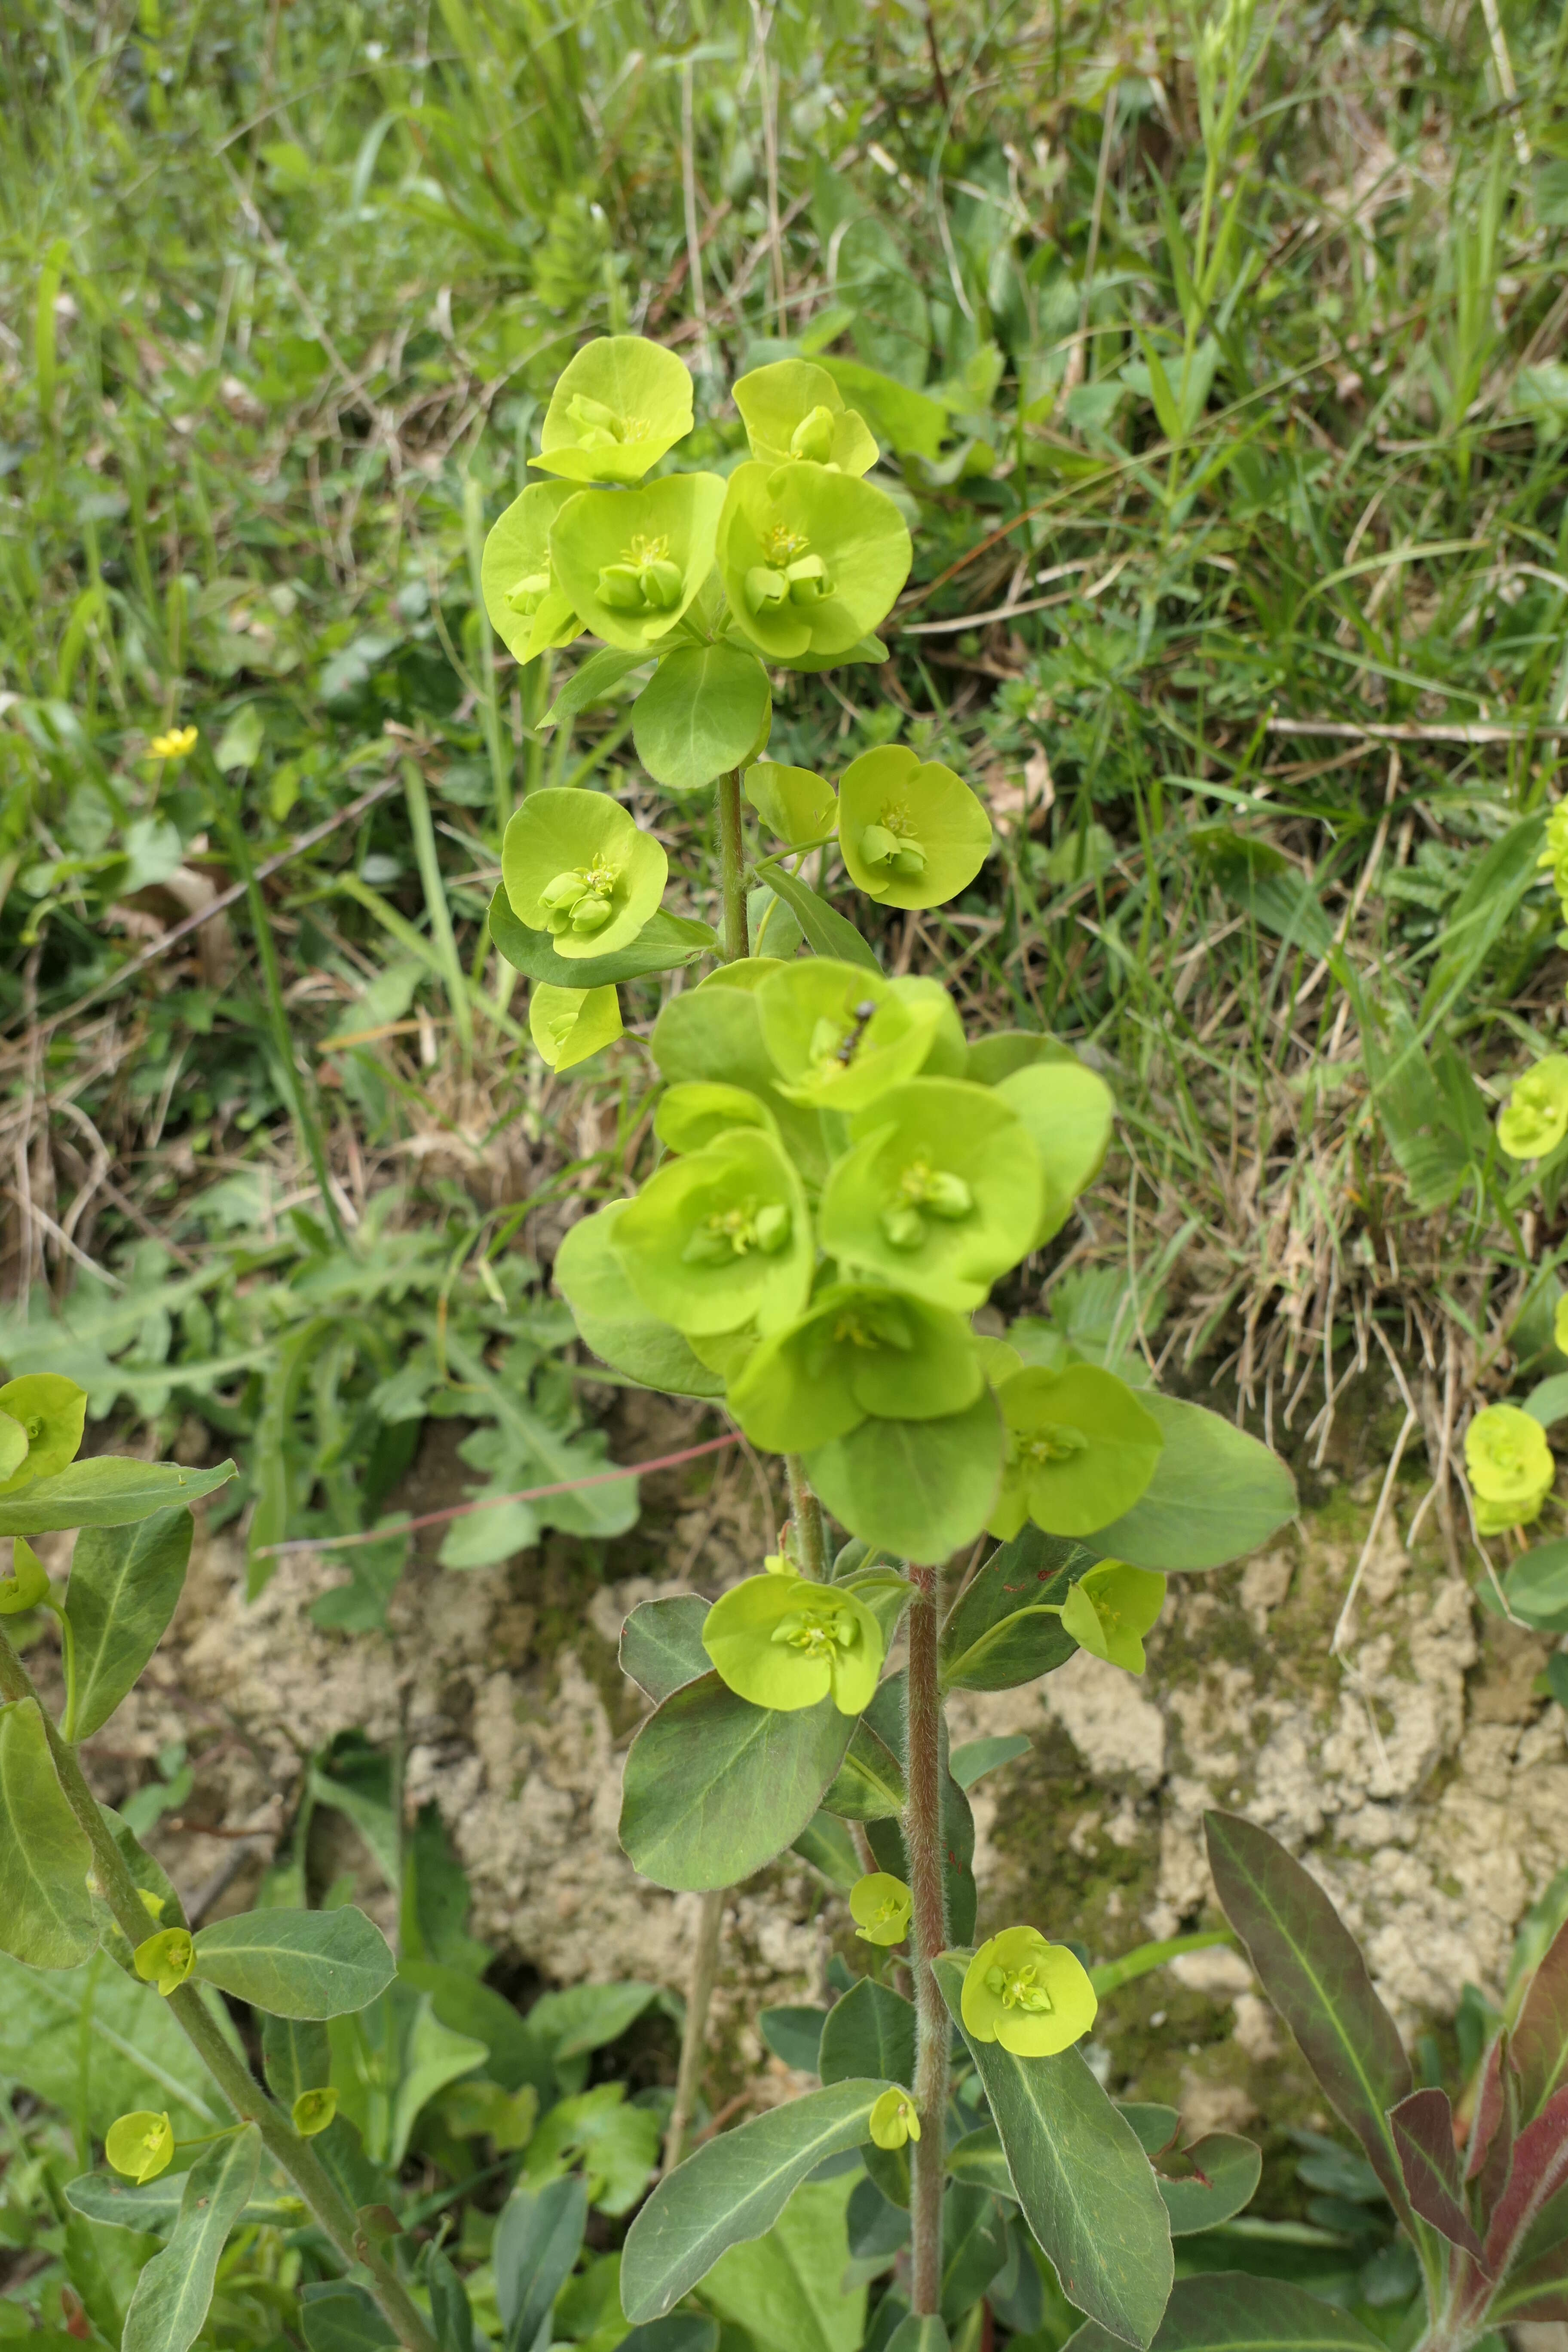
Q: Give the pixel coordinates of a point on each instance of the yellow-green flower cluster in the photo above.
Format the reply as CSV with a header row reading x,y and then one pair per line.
x,y
1511,1467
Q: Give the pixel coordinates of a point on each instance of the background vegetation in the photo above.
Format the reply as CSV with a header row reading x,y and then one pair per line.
x,y
1234,408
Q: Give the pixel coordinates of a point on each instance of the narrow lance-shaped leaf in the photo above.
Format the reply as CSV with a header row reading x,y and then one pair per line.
x,y
1313,1971
1226,2311
125,1583
298,1963
46,1911
339,2317
734,2187
537,2241
1538,2042
1423,2127
174,2292
1080,2175
105,1491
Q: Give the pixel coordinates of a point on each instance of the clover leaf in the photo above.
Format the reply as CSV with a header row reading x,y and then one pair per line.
x,y
793,803
528,608
1033,1997
51,1412
632,561
1511,1466
811,560
785,1643
1108,1611
1080,1451
911,833
840,1035
575,864
618,406
568,1024
882,1907
859,1351
942,1191
720,1237
791,409
1535,1119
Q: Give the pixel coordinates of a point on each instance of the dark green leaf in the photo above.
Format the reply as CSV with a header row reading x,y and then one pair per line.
x,y
714,1788
1312,1968
152,2207
584,2018
1538,2046
973,2247
1536,1587
592,681
665,943
978,2158
517,2053
972,1762
734,2187
827,1846
338,2316
295,2056
922,1489
869,1784
46,1911
1216,2178
172,2294
451,2314
537,2241
105,1491
870,2031
125,1583
992,1640
298,1963
1226,2311
683,2331
703,713
915,2334
1080,2175
794,2033
1215,1494
1155,2126
828,932
662,1645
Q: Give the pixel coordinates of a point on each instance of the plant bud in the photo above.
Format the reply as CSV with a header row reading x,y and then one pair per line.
x,y
766,589
808,581
591,913
947,1195
598,427
621,588
813,436
530,593
772,1227
662,584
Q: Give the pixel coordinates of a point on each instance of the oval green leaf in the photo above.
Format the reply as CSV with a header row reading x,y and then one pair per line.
x,y
1218,2175
1217,1494
1226,2311
918,1488
174,2290
665,943
1001,1632
298,1963
734,2187
46,1911
105,1491
125,1583
704,711
715,1788
662,1645
870,2031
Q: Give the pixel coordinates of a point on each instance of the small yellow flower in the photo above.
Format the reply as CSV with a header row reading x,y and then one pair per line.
x,y
174,745
894,2120
140,2146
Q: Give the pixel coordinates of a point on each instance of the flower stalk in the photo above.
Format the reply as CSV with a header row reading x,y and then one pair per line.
x,y
922,1843
732,867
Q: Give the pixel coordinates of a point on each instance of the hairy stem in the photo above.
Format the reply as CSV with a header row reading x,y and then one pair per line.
x,y
230,2073
922,1842
805,1517
733,865
694,2035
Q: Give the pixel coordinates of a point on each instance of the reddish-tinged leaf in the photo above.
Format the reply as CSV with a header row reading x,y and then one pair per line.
x,y
1538,2042
1491,2106
1540,2169
1423,2136
1312,1968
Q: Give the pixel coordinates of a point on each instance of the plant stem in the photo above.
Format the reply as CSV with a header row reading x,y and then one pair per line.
x,y
805,1517
694,2035
922,1842
230,2073
733,865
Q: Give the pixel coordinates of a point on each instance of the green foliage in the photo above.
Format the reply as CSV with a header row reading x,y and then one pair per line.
x,y
126,1584
312,1963
45,1912
172,2294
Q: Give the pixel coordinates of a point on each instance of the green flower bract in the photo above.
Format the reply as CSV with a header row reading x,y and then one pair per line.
x,y
618,406
798,804
882,1906
167,1958
51,1412
1068,1112
140,2145
860,1352
1080,1451
911,834
794,410
840,1035
575,864
528,611
568,1024
811,560
1033,1997
692,1113
632,561
941,1193
784,1642
893,2120
1110,1609
720,1237
1535,1118
1507,1458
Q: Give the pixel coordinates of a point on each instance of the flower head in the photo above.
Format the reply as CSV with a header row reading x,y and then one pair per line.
x,y
840,1035
1033,1997
632,561
529,609
1109,1612
859,1351
618,406
51,1412
785,1643
313,2111
575,864
882,1906
911,834
176,744
811,560
894,2119
567,1024
793,409
1080,1451
720,1237
1511,1466
167,1958
140,2145
1535,1119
